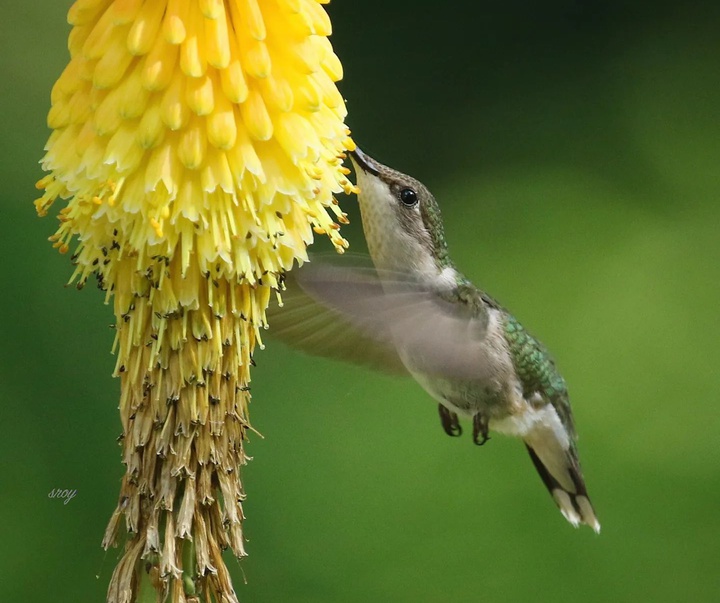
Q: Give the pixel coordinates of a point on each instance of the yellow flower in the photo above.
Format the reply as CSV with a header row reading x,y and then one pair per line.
x,y
198,144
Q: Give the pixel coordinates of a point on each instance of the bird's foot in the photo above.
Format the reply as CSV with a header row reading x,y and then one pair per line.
x,y
480,429
449,421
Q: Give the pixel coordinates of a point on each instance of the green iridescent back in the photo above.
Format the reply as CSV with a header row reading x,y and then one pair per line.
x,y
537,371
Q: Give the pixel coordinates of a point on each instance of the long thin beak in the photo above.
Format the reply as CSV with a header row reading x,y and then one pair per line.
x,y
364,162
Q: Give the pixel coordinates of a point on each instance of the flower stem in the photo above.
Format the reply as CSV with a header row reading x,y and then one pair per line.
x,y
146,591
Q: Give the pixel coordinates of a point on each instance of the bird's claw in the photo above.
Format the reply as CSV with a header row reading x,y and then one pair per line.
x,y
449,421
480,429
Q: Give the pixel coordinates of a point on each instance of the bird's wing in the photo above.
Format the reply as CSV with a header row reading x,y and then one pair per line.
x,y
306,324
355,314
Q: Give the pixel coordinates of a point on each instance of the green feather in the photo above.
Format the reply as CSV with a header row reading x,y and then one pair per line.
x,y
537,371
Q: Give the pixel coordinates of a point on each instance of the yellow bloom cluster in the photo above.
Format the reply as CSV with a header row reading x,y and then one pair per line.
x,y
205,128
199,144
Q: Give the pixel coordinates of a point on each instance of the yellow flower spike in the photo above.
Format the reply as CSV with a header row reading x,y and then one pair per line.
x,y
234,85
200,95
348,143
253,17
174,109
217,38
211,9
43,182
112,65
144,30
198,146
221,125
192,57
159,65
83,12
256,117
174,30
125,11
151,129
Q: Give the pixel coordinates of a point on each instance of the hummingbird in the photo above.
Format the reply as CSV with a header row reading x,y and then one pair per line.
x,y
412,312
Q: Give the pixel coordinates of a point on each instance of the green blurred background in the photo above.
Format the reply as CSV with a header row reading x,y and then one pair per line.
x,y
575,150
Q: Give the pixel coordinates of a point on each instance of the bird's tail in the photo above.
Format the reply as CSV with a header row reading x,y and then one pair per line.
x,y
559,470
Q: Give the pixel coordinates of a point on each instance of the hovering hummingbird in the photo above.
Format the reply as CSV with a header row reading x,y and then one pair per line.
x,y
415,313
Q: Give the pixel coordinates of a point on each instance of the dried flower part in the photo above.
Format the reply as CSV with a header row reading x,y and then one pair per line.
x,y
199,145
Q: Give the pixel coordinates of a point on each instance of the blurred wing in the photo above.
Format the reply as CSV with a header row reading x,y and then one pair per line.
x,y
432,334
308,325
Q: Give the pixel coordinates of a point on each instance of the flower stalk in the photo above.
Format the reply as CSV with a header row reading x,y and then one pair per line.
x,y
198,145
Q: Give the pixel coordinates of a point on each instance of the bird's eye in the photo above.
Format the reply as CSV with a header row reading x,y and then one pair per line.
x,y
408,197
